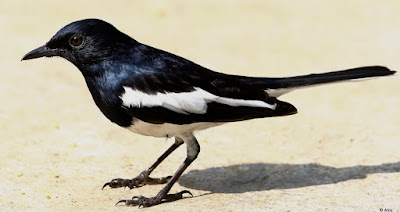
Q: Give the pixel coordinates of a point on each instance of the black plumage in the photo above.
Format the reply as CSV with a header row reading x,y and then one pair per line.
x,y
153,92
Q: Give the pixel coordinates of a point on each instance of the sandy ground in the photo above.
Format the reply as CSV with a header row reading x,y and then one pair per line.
x,y
340,153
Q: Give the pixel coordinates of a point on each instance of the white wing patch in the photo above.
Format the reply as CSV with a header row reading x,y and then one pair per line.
x,y
185,102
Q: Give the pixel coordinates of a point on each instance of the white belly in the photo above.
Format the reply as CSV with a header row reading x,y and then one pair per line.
x,y
166,129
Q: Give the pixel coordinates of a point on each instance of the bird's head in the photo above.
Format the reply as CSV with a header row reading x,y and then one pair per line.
x,y
82,42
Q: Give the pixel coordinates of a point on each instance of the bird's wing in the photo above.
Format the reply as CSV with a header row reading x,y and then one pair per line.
x,y
184,97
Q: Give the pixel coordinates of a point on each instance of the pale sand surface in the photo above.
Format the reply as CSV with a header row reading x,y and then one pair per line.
x,y
340,153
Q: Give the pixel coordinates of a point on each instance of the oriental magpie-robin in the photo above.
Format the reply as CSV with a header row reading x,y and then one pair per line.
x,y
156,93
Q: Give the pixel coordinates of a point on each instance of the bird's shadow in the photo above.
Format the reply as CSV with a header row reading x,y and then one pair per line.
x,y
264,176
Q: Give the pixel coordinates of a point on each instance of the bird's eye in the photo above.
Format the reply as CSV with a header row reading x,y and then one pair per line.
x,y
76,40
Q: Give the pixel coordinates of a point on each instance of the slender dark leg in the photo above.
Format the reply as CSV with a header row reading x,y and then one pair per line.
x,y
143,178
193,149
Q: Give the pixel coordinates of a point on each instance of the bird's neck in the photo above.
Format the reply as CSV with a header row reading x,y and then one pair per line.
x,y
106,89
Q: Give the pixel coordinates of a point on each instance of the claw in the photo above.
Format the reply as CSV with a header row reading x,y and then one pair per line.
x,y
186,192
107,184
176,196
131,202
124,201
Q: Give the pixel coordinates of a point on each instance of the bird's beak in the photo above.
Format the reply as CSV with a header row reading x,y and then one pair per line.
x,y
42,51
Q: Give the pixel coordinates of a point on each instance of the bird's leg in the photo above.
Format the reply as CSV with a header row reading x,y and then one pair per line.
x,y
193,149
144,177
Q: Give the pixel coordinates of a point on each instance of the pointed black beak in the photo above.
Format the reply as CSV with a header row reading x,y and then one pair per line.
x,y
42,51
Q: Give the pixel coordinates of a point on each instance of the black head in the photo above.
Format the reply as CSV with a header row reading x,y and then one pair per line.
x,y
83,42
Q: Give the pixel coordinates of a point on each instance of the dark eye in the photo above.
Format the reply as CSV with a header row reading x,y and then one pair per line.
x,y
76,40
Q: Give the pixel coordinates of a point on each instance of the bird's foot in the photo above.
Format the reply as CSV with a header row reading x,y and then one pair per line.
x,y
139,181
161,197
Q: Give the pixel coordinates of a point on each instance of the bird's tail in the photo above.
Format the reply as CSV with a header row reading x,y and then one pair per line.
x,y
278,86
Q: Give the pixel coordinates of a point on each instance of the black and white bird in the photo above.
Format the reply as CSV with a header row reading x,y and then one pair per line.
x,y
156,93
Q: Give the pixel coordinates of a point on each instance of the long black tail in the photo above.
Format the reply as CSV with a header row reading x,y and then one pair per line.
x,y
312,79
279,86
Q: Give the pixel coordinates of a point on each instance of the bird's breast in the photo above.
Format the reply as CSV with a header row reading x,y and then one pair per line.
x,y
106,97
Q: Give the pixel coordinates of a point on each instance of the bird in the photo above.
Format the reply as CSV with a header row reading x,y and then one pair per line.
x,y
152,92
